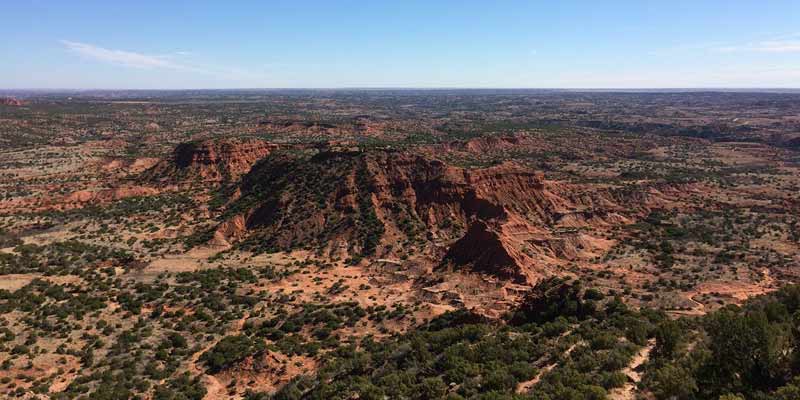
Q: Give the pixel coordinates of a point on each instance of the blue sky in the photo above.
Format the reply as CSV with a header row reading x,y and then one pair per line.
x,y
276,44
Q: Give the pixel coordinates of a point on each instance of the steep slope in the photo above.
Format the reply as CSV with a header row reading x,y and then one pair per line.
x,y
485,251
503,220
291,201
11,101
210,160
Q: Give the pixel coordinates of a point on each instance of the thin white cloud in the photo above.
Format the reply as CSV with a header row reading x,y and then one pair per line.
x,y
121,57
684,48
765,46
785,43
136,60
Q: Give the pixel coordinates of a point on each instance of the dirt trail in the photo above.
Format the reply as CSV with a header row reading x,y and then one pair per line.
x,y
525,387
698,308
627,392
737,291
215,390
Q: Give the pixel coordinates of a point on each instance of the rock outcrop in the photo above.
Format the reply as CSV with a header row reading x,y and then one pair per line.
x,y
11,101
484,250
210,160
507,220
107,195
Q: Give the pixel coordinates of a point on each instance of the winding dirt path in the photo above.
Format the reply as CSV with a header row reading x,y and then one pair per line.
x,y
739,291
215,390
525,387
627,391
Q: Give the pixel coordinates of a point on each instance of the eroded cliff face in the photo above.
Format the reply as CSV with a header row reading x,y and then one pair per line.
x,y
483,249
507,220
11,101
210,160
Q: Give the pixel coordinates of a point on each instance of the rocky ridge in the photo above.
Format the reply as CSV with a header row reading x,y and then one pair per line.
x,y
210,160
506,220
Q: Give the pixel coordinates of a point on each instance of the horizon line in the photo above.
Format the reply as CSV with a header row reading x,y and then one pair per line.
x,y
368,88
